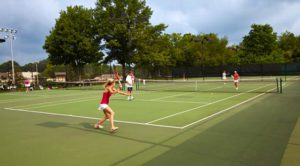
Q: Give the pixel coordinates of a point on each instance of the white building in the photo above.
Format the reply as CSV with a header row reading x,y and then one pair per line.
x,y
31,76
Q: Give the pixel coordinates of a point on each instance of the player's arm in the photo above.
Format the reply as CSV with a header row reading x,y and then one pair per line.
x,y
112,90
122,93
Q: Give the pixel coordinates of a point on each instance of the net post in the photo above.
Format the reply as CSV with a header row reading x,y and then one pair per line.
x,y
277,85
280,85
196,85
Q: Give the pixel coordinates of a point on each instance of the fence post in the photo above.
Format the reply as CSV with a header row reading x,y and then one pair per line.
x,y
277,85
285,72
280,85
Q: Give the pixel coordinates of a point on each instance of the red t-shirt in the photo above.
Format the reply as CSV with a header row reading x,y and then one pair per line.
x,y
105,98
236,76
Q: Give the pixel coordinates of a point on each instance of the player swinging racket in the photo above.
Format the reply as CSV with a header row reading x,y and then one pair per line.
x,y
109,90
236,80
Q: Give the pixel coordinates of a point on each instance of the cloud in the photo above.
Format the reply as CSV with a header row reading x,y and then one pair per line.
x,y
232,18
33,19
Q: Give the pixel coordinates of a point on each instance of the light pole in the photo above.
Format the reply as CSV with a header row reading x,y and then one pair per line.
x,y
11,35
37,74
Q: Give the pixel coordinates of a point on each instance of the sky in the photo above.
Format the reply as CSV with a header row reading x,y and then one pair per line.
x,y
33,20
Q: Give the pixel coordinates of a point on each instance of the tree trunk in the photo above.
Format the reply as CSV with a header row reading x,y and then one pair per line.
x,y
124,72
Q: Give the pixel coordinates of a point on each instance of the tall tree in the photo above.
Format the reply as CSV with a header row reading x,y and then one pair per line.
x,y
120,25
153,51
72,41
289,43
259,43
6,67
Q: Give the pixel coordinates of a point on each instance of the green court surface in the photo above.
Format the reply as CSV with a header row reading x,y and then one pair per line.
x,y
254,126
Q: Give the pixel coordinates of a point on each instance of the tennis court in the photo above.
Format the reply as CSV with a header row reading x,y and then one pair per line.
x,y
215,126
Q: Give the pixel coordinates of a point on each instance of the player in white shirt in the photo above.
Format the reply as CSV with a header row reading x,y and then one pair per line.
x,y
224,76
129,84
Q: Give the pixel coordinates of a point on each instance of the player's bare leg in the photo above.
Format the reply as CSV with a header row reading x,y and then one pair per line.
x,y
111,118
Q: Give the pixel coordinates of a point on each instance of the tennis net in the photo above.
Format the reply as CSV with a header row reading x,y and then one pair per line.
x,y
244,85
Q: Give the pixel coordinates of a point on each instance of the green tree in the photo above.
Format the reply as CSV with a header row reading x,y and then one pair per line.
x,y
182,49
259,44
289,44
7,67
121,24
153,52
72,41
40,66
29,67
208,50
296,55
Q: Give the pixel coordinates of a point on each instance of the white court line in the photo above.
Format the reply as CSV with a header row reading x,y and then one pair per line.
x,y
224,110
178,113
181,94
172,101
85,117
47,97
76,101
62,102
145,124
49,103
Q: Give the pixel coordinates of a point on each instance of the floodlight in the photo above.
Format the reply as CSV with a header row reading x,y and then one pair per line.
x,y
10,36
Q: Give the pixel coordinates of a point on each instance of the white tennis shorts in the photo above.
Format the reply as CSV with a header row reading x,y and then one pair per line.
x,y
235,81
102,107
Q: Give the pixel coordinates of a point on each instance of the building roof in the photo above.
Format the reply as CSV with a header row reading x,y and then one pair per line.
x,y
28,75
60,73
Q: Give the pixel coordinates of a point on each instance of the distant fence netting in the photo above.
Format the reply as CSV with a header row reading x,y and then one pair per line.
x,y
77,85
243,70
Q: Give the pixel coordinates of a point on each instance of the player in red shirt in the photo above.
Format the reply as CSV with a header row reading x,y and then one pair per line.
x,y
109,89
236,80
27,85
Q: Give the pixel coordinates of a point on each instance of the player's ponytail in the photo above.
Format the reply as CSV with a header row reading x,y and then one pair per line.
x,y
109,82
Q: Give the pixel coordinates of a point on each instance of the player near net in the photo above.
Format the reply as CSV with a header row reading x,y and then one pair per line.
x,y
224,76
236,78
109,89
117,78
129,84
27,85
